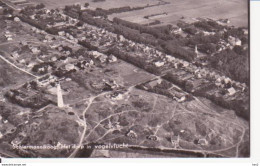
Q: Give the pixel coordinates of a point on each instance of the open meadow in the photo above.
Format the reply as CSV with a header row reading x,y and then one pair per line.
x,y
235,11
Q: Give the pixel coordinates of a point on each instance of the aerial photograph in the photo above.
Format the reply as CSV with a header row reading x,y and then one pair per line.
x,y
124,79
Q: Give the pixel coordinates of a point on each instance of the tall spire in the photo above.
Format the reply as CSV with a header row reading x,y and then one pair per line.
x,y
59,96
196,50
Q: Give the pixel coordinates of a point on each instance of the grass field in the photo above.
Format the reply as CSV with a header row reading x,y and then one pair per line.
x,y
235,10
105,5
9,76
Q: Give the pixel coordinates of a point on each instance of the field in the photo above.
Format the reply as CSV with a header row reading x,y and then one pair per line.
x,y
9,76
235,11
105,5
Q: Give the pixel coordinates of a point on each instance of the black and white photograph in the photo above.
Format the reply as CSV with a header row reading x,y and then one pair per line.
x,y
124,79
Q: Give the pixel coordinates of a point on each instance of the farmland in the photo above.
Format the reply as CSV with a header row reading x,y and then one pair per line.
x,y
105,4
235,11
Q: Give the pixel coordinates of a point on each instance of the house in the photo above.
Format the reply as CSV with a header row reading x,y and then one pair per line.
x,y
116,96
234,41
152,137
61,33
182,99
16,19
245,31
185,64
96,54
170,58
48,37
131,134
54,59
32,17
103,58
227,80
112,58
35,50
231,91
69,67
202,142
159,64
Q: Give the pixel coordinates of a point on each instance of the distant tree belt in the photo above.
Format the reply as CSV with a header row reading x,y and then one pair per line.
x,y
232,64
34,23
137,33
98,0
164,35
88,45
35,102
137,61
161,38
104,12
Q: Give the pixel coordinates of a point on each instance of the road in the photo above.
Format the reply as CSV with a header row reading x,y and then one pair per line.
x,y
8,3
90,101
7,61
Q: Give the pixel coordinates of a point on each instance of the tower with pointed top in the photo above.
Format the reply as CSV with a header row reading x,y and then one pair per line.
x,y
59,96
196,50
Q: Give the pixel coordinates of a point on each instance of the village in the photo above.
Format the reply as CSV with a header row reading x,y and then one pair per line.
x,y
73,62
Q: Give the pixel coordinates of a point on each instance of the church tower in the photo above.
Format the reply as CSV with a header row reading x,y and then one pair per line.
x,y
196,50
59,96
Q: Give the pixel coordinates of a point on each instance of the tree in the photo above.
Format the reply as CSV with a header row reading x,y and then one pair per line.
x,y
86,5
40,6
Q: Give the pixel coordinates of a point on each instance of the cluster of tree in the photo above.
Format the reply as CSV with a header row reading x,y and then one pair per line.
x,y
158,37
28,10
207,48
153,15
233,65
176,50
88,45
8,11
73,11
106,12
40,6
204,39
36,102
85,17
137,61
42,68
161,88
208,25
142,105
144,29
80,52
241,106
5,78
98,0
205,43
155,22
175,79
62,73
34,23
190,30
237,33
